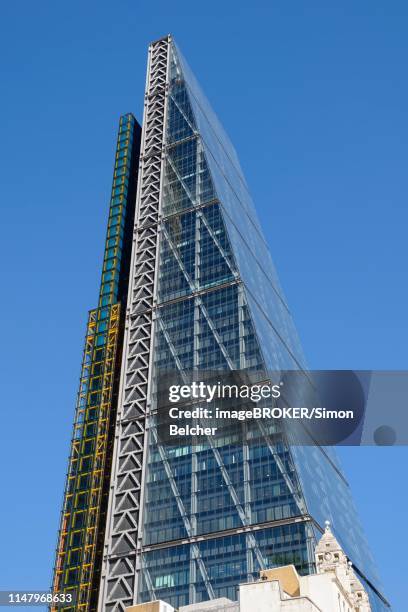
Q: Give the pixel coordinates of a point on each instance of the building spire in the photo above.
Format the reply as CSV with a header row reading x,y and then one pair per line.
x,y
330,558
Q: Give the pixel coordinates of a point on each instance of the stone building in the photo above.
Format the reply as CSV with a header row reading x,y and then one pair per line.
x,y
334,588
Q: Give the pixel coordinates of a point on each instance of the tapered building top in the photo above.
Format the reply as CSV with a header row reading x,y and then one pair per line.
x,y
204,295
188,522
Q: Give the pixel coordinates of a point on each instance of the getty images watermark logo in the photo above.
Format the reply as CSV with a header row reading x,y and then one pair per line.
x,y
307,407
210,392
186,406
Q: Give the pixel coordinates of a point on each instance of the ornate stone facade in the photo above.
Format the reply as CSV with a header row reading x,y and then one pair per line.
x,y
334,588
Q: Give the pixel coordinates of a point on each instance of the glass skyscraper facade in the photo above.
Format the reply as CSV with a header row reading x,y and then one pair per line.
x,y
187,523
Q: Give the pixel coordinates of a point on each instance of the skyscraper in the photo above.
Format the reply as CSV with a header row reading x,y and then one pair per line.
x,y
144,520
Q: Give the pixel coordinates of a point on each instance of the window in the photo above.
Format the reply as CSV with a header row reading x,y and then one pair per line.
x,y
88,447
79,520
86,464
81,500
71,576
74,557
76,539
83,482
90,429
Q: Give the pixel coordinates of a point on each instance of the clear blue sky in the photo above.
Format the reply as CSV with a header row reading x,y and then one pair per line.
x,y
314,95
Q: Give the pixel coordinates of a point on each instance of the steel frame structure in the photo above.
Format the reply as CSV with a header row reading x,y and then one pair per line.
x,y
82,526
119,571
85,521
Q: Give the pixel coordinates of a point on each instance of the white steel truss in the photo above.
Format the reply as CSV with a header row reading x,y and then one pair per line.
x,y
119,572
